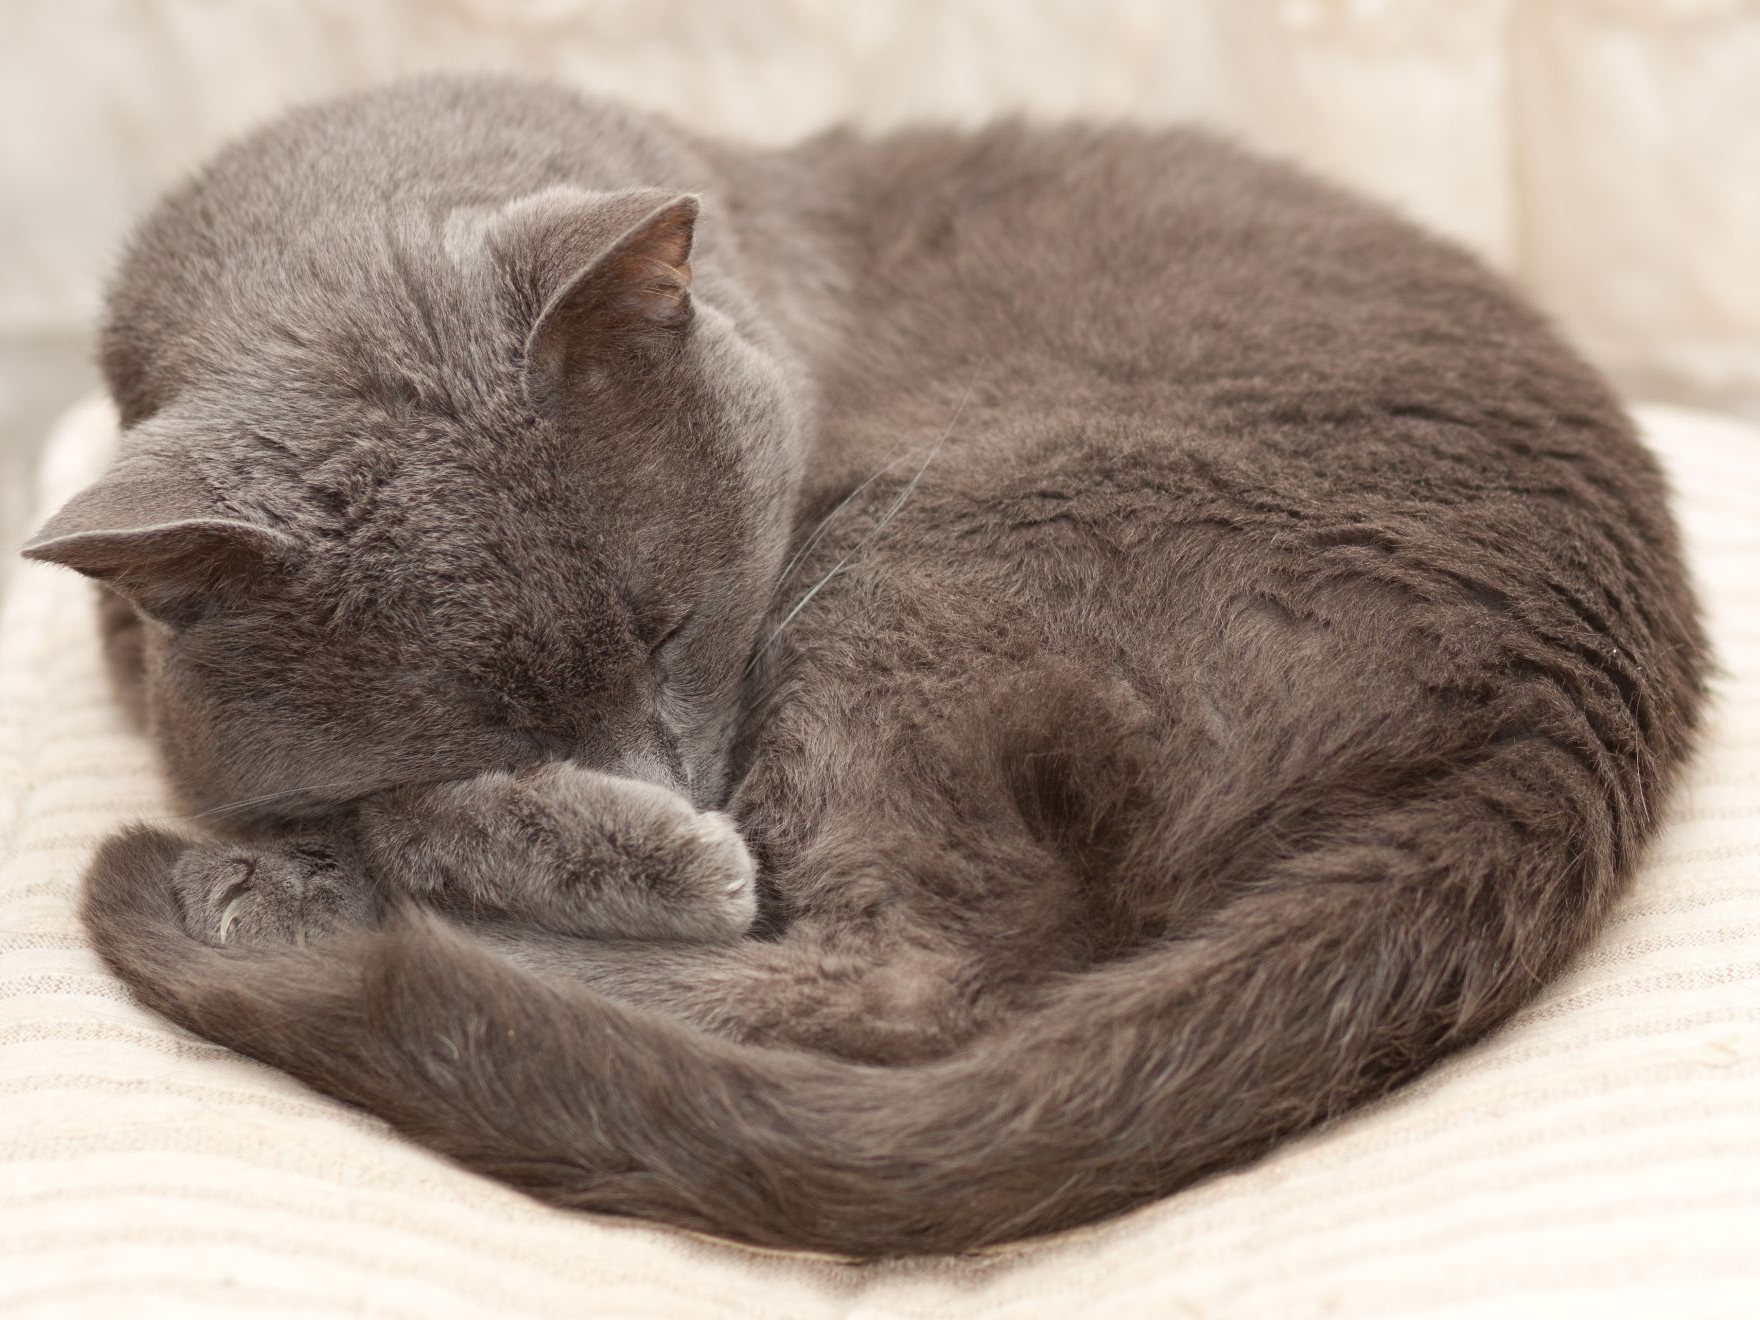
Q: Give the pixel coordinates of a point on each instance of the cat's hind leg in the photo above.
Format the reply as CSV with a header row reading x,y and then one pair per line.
x,y
287,891
901,1003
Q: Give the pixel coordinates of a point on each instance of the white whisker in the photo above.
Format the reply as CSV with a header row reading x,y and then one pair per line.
x,y
258,801
795,559
878,527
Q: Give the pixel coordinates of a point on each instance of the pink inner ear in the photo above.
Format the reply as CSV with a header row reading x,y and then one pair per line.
x,y
657,267
658,290
638,285
647,272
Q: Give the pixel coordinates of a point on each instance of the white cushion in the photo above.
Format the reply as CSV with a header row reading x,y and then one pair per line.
x,y
1599,1157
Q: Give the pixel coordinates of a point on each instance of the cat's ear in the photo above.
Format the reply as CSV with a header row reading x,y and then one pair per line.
x,y
613,277
153,534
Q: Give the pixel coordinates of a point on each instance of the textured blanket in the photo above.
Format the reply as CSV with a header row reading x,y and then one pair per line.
x,y
1599,1157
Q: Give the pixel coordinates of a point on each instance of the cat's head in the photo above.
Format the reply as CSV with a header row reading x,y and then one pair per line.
x,y
500,489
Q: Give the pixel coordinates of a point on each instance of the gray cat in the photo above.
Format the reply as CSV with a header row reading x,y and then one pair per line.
x,y
885,696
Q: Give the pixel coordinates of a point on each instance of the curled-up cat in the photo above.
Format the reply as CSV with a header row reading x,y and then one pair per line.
x,y
886,695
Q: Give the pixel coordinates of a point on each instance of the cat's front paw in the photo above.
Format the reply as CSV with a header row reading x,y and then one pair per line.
x,y
278,893
702,874
632,860
573,850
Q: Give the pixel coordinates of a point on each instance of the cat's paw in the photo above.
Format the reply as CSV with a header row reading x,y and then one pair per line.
x,y
279,893
710,873
574,850
633,860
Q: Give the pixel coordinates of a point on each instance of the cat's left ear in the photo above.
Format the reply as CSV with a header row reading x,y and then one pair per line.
x,y
612,277
152,533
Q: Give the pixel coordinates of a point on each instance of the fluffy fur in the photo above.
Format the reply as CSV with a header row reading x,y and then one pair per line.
x,y
1182,652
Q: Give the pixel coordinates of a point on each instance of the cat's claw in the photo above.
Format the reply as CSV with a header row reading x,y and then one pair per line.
x,y
229,918
233,894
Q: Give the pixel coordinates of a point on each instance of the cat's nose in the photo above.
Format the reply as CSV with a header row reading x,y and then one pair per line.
x,y
554,746
654,758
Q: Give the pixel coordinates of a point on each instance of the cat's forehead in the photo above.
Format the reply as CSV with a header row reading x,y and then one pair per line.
x,y
337,450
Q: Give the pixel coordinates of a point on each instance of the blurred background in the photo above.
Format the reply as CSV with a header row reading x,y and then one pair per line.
x,y
1605,153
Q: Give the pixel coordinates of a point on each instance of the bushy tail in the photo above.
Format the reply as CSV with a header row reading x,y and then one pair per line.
x,y
1357,968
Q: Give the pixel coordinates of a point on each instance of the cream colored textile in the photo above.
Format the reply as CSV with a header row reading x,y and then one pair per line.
x,y
1601,1157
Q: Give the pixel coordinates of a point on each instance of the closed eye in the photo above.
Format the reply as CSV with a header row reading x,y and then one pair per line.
x,y
670,635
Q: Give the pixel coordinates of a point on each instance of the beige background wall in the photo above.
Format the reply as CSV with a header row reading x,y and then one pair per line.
x,y
1606,152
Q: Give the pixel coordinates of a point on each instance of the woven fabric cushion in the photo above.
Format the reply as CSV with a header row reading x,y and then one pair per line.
x,y
1600,1156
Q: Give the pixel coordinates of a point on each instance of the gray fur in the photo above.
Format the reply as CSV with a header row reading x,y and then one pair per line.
x,y
1242,652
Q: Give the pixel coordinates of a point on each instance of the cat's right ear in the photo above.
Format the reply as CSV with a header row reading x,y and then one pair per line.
x,y
154,535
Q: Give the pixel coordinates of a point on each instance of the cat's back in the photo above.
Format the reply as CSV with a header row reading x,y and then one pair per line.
x,y
1165,292
1169,369
1168,260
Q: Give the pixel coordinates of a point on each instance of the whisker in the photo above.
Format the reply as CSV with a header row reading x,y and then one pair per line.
x,y
794,560
873,532
258,801
755,703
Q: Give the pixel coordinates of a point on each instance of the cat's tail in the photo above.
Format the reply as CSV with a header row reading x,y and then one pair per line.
x,y
1136,1078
